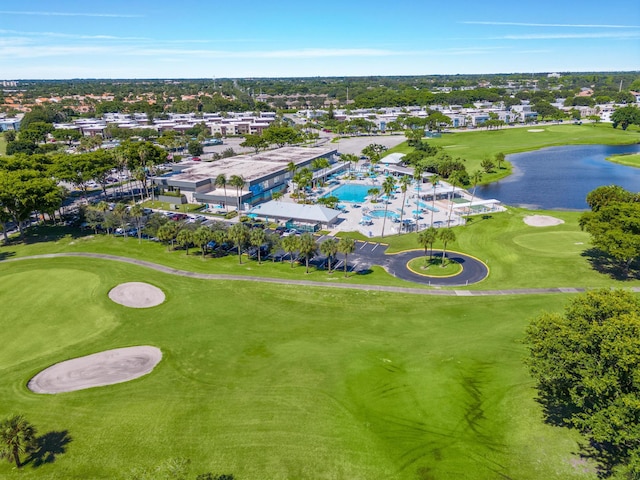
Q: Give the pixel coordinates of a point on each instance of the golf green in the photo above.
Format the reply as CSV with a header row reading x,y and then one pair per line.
x,y
556,243
276,381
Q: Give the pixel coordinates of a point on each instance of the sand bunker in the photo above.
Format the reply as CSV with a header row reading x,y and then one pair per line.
x,y
536,130
542,221
96,370
137,295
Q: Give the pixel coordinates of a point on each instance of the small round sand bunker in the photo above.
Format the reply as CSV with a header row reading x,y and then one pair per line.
x,y
96,370
137,295
535,130
542,221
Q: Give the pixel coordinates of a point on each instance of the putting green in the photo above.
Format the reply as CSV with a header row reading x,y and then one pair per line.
x,y
32,322
555,243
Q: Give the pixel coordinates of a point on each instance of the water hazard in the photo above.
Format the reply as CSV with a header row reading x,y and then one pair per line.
x,y
559,178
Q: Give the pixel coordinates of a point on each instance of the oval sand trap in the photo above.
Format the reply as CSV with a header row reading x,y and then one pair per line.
x,y
535,130
137,295
96,370
542,221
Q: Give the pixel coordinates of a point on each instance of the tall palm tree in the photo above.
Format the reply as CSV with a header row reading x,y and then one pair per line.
x,y
201,237
426,238
329,248
238,182
418,170
307,247
475,179
185,239
349,158
137,212
257,238
347,246
446,235
388,187
405,181
276,196
290,245
239,234
434,179
221,181
455,180
17,437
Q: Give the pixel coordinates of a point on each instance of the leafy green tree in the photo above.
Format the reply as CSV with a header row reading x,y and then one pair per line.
x,y
487,165
168,232
374,151
281,135
17,438
329,248
426,238
346,246
625,116
606,195
446,236
257,142
239,235
195,148
500,157
585,363
290,245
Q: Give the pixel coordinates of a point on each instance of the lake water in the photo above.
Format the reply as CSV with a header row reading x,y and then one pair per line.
x,y
559,178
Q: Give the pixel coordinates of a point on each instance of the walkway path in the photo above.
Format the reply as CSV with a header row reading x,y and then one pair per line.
x,y
377,288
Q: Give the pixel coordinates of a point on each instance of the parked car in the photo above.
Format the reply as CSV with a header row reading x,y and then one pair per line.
x,y
290,232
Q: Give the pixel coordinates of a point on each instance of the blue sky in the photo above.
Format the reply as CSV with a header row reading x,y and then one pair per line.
x,y
282,38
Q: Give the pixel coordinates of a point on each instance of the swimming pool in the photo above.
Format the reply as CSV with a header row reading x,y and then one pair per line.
x,y
350,193
380,214
428,206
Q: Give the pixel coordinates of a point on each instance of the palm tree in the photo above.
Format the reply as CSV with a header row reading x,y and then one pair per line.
x,y
435,179
475,179
446,235
373,193
347,246
388,186
239,234
276,196
454,180
329,248
257,238
17,437
238,182
426,238
405,181
273,243
201,237
307,247
185,238
221,181
121,216
137,212
418,170
290,245
349,158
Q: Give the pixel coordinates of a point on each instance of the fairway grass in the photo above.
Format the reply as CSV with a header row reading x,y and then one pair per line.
x,y
632,160
280,382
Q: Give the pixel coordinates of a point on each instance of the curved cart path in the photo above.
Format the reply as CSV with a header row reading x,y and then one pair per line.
x,y
378,288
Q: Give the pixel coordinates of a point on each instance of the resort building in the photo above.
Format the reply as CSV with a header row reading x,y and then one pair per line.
x,y
264,174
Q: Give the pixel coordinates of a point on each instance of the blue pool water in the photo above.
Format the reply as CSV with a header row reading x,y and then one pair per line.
x,y
428,206
380,214
351,193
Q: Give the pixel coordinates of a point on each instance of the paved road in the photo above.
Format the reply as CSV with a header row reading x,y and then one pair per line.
x,y
280,281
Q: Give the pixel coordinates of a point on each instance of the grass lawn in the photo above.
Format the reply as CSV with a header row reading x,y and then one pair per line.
x,y
433,267
475,145
632,160
280,382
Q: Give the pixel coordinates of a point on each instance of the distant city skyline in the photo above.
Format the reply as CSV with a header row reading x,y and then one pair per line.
x,y
197,39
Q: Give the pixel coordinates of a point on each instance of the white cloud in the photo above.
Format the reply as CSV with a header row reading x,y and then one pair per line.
x,y
570,25
560,36
69,14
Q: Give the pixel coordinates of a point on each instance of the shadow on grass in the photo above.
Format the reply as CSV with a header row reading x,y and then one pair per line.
x,y
5,255
51,233
603,263
50,445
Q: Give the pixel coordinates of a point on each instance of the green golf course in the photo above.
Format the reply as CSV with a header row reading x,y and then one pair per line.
x,y
273,381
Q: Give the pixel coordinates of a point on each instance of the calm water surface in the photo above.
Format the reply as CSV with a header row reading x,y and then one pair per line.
x,y
559,178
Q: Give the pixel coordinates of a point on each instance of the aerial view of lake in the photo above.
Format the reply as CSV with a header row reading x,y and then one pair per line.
x,y
559,178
